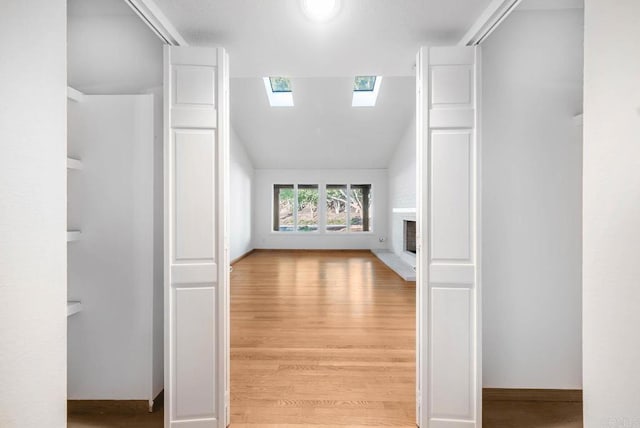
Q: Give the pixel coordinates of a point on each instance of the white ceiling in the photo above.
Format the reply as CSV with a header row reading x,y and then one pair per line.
x,y
367,36
322,130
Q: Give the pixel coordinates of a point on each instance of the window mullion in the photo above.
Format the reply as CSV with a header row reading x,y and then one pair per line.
x,y
295,207
348,208
322,207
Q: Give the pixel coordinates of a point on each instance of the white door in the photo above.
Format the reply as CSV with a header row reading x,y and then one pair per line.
x,y
449,317
196,237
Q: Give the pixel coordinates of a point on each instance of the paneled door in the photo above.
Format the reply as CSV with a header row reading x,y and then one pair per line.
x,y
449,316
196,141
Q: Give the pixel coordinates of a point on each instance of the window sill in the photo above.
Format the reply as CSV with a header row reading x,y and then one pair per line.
x,y
323,233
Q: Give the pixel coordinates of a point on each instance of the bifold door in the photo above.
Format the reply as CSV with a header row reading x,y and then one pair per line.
x,y
196,237
449,358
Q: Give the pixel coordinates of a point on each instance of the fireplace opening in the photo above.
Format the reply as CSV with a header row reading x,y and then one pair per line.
x,y
410,236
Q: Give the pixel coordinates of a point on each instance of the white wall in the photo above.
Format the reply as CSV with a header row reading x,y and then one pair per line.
x,y
111,51
158,242
33,324
241,190
402,190
531,215
111,268
611,214
265,237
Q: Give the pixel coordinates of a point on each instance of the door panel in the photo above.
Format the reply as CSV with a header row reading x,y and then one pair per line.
x,y
449,378
194,166
196,260
194,318
450,196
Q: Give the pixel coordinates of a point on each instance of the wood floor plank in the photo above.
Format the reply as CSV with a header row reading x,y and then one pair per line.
x,y
321,338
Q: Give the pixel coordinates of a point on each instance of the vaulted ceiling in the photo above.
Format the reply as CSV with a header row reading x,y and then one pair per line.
x,y
322,130
367,37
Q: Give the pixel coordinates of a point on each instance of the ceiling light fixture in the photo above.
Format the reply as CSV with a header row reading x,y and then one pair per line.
x,y
320,10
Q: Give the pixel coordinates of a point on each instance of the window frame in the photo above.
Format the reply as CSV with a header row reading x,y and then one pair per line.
x,y
326,217
297,207
322,210
366,210
275,201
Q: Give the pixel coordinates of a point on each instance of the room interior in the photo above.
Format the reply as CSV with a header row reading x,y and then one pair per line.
x,y
532,175
375,145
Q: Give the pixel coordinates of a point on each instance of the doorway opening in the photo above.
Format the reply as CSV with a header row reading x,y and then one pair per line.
x,y
322,331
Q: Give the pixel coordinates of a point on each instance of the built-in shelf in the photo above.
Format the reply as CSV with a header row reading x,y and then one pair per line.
x,y
73,235
404,210
73,307
578,119
74,95
74,163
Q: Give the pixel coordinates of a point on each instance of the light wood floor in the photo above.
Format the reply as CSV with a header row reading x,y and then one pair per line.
x,y
321,339
324,339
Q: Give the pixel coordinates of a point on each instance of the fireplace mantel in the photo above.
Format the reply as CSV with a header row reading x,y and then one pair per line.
x,y
404,210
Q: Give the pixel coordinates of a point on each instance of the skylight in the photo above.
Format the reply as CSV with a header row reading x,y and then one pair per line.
x,y
365,90
280,84
364,83
279,91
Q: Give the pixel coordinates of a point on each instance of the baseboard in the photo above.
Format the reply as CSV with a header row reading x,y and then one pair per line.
x,y
158,402
555,395
108,406
116,406
247,254
312,250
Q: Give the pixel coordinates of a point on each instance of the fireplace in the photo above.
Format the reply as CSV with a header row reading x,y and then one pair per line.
x,y
410,236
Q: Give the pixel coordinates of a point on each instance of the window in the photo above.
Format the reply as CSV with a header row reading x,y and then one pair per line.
x,y
283,206
297,208
360,204
349,208
364,83
280,84
336,207
365,91
279,91
307,218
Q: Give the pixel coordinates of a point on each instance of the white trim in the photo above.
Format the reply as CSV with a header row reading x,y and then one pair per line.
x,y
322,212
489,20
422,260
404,210
151,14
223,231
478,240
